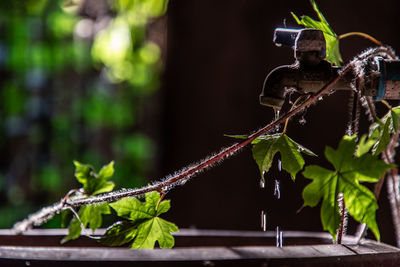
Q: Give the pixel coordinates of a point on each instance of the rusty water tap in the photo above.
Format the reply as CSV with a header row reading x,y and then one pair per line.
x,y
311,72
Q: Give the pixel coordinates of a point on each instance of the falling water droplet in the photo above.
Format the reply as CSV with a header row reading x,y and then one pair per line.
x,y
302,121
279,165
262,183
277,190
276,111
280,239
264,221
277,235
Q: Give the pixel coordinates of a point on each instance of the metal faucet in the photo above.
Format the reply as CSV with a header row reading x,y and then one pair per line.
x,y
311,72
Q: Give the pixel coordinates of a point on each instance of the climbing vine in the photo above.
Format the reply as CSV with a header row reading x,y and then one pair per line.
x,y
339,188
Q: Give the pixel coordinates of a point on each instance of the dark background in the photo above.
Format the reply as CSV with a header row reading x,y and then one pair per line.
x,y
218,55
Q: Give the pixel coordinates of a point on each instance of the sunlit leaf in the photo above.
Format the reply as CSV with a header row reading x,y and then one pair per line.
x,y
145,227
107,171
381,130
93,184
265,148
155,229
332,42
74,231
364,145
348,172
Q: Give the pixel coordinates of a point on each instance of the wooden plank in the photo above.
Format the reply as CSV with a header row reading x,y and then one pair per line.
x,y
373,251
177,254
372,248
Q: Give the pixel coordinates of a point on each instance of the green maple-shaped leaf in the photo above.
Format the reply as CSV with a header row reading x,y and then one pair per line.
x,y
265,148
332,41
93,184
348,172
144,226
381,130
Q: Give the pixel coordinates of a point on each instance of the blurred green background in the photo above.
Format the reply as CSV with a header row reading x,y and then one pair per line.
x,y
74,79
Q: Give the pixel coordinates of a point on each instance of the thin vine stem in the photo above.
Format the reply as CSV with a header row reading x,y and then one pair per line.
x,y
367,36
225,153
161,198
294,104
391,182
395,204
341,230
46,213
371,108
386,104
84,230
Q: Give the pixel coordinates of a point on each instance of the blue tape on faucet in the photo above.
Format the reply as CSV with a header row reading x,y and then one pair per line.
x,y
382,79
389,71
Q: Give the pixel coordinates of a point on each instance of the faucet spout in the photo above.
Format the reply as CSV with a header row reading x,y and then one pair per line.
x,y
301,78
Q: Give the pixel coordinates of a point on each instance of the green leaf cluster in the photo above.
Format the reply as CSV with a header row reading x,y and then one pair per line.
x,y
349,171
143,226
265,148
381,130
93,184
332,41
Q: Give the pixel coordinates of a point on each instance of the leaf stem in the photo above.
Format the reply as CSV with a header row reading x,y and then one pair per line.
x,y
369,37
287,120
83,228
386,104
161,198
68,195
371,108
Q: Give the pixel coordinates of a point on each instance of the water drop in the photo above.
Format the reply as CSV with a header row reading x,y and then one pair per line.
x,y
302,121
277,237
276,111
264,221
262,183
279,165
320,98
280,239
277,190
